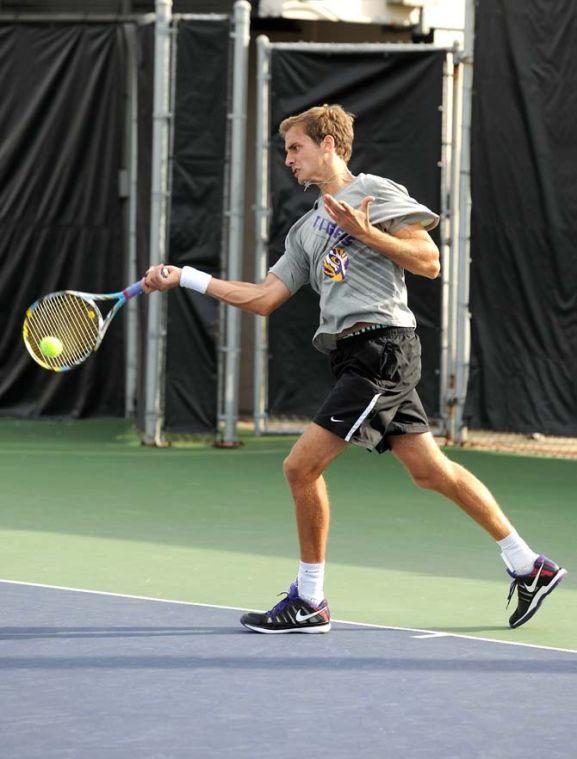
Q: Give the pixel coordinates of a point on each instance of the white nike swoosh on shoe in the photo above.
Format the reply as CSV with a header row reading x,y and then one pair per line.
x,y
300,617
336,420
531,588
540,596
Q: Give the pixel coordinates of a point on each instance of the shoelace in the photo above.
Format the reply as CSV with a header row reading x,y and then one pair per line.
x,y
514,585
280,605
511,591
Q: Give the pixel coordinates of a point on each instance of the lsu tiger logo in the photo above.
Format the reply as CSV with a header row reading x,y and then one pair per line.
x,y
335,264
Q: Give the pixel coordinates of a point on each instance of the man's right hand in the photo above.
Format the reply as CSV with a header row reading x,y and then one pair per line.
x,y
154,279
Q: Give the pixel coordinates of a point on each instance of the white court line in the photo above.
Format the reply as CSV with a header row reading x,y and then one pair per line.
x,y
427,633
433,635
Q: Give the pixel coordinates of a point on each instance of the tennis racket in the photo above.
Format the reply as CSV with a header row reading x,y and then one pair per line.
x,y
62,329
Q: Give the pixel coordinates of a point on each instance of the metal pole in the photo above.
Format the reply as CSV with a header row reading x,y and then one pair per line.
x,y
463,314
161,383
261,228
364,47
132,177
241,35
223,262
453,268
155,342
446,195
200,17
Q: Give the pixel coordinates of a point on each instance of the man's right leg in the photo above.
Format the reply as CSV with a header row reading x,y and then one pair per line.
x,y
303,468
304,608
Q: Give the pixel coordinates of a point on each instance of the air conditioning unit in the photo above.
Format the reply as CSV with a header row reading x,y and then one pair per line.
x,y
387,12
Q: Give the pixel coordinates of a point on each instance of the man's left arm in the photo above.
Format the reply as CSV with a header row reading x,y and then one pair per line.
x,y
410,247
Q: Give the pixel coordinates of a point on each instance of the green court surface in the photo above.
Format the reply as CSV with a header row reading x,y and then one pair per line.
x,y
84,505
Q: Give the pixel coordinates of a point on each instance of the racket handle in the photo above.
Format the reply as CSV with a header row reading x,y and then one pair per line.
x,y
132,290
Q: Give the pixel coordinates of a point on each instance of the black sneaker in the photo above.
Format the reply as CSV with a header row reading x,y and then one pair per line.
x,y
290,615
532,588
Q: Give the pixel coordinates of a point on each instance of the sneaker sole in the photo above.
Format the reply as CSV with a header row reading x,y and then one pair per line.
x,y
310,629
538,600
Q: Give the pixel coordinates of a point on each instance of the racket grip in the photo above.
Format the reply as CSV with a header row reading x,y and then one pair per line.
x,y
132,290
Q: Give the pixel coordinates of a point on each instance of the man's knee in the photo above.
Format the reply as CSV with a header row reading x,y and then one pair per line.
x,y
298,469
426,479
438,475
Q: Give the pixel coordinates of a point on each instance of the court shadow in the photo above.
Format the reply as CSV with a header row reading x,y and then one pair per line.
x,y
562,666
33,633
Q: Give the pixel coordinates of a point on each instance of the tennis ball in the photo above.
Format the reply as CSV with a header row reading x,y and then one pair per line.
x,y
51,346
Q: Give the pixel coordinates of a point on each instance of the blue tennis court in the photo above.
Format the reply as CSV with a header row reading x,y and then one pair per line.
x,y
95,675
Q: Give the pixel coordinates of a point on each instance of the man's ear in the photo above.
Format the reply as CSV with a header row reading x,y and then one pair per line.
x,y
328,143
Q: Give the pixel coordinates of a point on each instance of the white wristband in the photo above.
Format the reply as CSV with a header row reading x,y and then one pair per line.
x,y
194,279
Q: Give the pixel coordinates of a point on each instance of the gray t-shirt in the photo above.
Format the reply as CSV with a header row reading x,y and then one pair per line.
x,y
355,283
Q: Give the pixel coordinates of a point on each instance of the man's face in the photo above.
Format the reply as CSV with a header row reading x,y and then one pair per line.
x,y
304,157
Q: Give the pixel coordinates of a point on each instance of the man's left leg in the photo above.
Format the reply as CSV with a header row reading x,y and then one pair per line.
x,y
534,575
430,468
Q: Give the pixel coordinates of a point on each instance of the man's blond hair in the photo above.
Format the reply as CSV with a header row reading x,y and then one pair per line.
x,y
322,121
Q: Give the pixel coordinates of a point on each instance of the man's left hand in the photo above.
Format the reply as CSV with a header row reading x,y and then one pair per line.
x,y
352,220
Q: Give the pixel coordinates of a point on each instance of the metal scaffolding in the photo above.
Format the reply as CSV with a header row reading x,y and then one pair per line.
x,y
234,212
156,326
262,216
463,315
451,354
455,208
228,414
131,173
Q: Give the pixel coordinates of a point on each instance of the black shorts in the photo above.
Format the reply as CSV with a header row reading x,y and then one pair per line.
x,y
374,394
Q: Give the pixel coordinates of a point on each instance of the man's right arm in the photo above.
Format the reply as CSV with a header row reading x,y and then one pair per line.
x,y
261,299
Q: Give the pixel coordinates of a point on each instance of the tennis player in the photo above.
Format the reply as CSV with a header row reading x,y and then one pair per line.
x,y
353,247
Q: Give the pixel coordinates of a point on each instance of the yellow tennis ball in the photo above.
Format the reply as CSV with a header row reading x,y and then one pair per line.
x,y
51,346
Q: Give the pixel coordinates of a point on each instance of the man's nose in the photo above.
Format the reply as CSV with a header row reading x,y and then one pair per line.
x,y
288,161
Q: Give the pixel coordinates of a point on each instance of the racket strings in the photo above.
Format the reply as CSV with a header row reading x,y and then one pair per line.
x,y
78,338
69,318
75,320
64,317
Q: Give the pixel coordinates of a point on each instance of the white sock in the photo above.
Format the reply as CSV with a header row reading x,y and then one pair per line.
x,y
310,581
516,554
